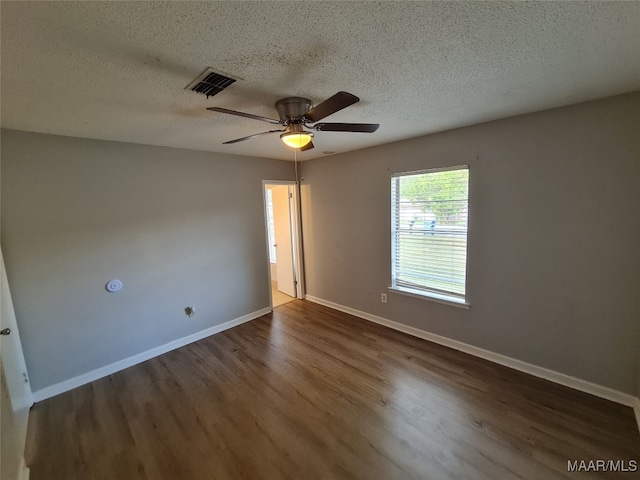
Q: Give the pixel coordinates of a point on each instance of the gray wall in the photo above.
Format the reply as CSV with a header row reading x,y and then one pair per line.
x,y
178,227
554,236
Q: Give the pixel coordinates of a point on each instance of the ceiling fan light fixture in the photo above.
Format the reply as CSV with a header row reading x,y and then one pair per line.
x,y
296,139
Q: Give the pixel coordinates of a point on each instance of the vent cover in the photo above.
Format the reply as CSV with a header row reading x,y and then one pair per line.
x,y
210,83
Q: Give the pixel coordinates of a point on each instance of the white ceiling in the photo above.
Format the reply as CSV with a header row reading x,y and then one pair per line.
x,y
117,70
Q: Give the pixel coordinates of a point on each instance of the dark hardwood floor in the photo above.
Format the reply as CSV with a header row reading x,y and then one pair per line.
x,y
310,393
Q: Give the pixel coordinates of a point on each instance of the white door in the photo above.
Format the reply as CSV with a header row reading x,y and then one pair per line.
x,y
15,389
281,198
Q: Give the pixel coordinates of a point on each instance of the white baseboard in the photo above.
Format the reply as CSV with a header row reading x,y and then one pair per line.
x,y
107,370
636,409
551,375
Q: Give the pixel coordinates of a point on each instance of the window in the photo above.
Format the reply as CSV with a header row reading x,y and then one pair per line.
x,y
429,211
271,227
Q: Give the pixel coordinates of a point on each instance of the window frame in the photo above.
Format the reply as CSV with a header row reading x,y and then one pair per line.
x,y
427,294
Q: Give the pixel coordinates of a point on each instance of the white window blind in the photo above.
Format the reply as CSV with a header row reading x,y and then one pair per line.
x,y
429,213
271,226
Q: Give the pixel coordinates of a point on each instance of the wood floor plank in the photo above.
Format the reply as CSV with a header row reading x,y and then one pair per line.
x,y
311,393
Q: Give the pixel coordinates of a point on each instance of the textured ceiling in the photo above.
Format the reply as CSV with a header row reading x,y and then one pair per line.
x,y
117,70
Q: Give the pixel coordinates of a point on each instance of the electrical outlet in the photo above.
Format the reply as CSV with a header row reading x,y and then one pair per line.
x,y
383,297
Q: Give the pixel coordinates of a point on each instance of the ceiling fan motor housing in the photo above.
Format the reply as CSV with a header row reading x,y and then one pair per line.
x,y
292,109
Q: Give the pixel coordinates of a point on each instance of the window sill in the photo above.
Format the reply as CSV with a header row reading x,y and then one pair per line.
x,y
432,297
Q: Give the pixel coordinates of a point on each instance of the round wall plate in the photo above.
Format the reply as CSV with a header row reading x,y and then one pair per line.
x,y
113,286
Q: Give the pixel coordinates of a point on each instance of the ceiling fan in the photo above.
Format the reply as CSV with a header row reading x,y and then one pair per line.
x,y
296,115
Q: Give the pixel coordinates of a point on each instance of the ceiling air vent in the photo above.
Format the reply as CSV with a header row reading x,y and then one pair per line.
x,y
210,83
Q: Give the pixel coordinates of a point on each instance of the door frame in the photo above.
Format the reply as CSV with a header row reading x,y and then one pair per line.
x,y
296,235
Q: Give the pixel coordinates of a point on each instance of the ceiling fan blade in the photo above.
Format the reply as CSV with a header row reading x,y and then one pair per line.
x,y
246,115
347,127
331,105
308,146
251,136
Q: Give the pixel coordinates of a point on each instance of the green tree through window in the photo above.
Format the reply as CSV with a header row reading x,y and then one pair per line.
x,y
442,193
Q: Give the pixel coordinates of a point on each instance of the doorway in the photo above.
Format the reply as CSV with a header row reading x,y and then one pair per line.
x,y
283,241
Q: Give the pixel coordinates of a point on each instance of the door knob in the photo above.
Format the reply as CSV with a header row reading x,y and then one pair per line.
x,y
5,331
